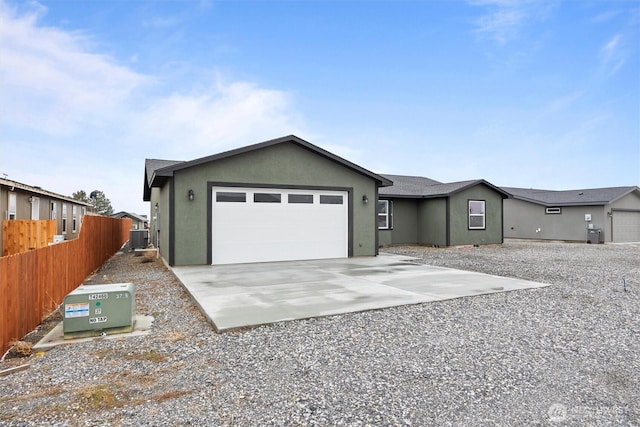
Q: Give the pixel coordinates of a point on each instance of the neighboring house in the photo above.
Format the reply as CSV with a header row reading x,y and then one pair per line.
x,y
279,200
594,215
138,222
418,210
22,201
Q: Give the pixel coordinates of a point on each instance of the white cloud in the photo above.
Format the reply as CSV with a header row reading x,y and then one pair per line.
x,y
613,55
223,115
505,19
501,25
72,117
51,83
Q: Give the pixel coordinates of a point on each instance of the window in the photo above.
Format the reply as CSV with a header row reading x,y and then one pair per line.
x,y
54,210
330,200
35,207
476,215
266,198
385,215
301,198
13,206
553,211
64,218
74,218
233,197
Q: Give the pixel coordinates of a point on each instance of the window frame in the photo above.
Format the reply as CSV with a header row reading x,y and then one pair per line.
x,y
64,218
231,197
300,199
74,218
12,214
261,197
482,215
331,199
388,215
553,210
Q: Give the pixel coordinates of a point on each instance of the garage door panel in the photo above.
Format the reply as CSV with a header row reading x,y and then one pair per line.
x,y
626,226
250,231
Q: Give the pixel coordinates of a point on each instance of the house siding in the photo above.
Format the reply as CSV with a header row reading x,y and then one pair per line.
x,y
159,224
405,223
460,234
286,164
443,221
432,222
526,220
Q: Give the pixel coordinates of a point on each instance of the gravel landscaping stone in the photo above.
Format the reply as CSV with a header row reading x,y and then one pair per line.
x,y
567,354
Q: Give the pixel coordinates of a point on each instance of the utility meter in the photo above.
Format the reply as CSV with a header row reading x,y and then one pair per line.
x,y
92,310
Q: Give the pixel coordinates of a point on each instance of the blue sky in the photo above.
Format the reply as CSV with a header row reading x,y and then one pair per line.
x,y
542,94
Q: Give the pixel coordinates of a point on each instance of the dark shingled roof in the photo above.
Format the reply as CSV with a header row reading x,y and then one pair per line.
x,y
157,171
590,196
421,187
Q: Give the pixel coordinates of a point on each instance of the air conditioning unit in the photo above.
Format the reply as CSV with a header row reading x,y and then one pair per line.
x,y
94,310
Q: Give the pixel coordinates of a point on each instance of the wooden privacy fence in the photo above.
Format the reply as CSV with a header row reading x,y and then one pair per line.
x,y
21,235
34,283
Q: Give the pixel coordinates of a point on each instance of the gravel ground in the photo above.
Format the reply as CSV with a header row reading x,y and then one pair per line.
x,y
568,354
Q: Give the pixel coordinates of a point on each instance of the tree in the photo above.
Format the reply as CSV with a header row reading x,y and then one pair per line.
x,y
100,203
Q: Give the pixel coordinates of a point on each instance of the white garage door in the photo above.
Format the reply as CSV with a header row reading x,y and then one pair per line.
x,y
626,226
271,224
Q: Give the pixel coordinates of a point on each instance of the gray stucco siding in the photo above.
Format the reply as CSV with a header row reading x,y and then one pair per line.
x,y
460,234
405,223
283,165
432,222
526,220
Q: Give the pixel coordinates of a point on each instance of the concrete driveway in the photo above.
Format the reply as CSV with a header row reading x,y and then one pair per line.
x,y
234,296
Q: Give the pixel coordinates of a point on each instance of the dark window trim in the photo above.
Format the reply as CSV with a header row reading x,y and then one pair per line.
x,y
267,197
231,197
304,199
331,199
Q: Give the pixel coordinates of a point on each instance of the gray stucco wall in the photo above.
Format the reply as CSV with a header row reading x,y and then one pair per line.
x,y
159,219
284,164
426,221
405,223
432,222
460,234
525,220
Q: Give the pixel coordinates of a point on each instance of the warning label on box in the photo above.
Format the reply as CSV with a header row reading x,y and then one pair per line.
x,y
76,310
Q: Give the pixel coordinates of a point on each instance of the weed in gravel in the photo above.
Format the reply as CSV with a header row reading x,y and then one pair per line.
x,y
99,397
20,349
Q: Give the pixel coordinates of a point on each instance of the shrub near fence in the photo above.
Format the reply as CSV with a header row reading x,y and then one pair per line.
x,y
33,284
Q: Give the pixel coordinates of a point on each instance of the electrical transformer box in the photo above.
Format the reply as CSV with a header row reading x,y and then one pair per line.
x,y
92,310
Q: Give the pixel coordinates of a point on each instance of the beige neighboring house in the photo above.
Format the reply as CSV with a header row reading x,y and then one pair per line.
x,y
22,201
138,222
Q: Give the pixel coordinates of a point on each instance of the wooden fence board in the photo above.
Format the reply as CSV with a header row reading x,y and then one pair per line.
x,y
24,235
34,283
